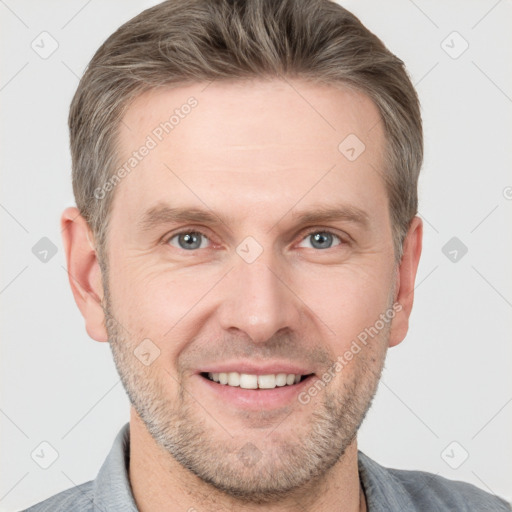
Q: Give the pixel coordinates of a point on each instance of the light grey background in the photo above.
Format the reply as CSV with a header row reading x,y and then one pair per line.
x,y
449,381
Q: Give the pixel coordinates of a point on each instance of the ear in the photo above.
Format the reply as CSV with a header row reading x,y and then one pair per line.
x,y
405,278
84,272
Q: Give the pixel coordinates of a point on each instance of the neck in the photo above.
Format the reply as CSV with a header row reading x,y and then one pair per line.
x,y
161,483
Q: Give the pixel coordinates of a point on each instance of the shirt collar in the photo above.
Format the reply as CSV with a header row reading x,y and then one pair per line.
x,y
383,491
112,489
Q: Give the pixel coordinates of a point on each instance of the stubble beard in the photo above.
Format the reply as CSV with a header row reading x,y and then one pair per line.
x,y
292,456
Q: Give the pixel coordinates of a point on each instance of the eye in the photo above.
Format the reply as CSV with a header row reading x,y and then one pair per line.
x,y
322,239
188,240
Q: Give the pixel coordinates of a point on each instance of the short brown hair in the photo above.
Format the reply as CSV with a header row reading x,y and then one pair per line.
x,y
186,41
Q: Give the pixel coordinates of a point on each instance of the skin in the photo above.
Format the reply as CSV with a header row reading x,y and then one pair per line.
x,y
255,154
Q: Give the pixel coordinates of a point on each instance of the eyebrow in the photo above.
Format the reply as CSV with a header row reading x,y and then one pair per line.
x,y
162,214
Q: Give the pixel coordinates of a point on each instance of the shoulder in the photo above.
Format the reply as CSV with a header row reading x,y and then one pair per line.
x,y
79,499
439,492
423,491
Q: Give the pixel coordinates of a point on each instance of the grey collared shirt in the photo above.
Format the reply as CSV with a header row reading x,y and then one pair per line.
x,y
386,490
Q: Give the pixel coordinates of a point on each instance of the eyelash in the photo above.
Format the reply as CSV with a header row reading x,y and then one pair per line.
x,y
343,241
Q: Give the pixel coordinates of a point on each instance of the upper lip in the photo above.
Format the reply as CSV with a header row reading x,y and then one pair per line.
x,y
251,368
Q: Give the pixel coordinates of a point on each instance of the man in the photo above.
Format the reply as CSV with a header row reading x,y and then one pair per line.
x,y
246,240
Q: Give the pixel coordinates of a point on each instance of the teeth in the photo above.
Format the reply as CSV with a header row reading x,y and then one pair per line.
x,y
281,379
248,381
267,381
234,379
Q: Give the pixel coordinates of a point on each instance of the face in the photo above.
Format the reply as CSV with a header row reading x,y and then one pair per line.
x,y
256,283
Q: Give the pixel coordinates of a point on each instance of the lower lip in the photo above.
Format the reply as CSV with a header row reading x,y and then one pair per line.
x,y
257,399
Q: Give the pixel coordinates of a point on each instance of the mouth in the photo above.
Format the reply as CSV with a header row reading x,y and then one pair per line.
x,y
256,382
254,392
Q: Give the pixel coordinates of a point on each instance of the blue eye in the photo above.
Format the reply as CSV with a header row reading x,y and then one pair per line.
x,y
322,239
192,240
188,240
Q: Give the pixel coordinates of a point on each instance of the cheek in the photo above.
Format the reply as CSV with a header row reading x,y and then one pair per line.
x,y
159,308
347,301
158,303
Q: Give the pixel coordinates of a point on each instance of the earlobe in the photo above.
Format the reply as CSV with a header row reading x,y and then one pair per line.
x,y
84,272
405,279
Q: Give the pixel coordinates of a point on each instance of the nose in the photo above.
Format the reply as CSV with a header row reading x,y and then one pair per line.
x,y
258,300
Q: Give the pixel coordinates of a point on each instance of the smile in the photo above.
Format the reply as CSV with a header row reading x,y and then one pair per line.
x,y
248,381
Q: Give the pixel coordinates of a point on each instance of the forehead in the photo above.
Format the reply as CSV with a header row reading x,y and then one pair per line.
x,y
258,141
